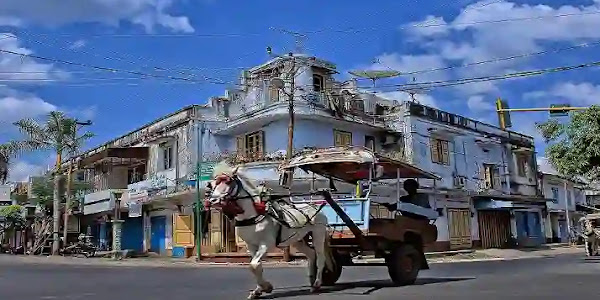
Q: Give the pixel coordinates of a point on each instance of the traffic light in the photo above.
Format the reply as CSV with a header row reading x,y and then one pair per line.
x,y
503,116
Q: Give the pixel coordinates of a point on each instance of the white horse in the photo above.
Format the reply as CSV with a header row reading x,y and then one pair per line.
x,y
233,192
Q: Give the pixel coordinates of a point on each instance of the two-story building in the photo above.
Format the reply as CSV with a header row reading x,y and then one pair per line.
x,y
487,195
565,205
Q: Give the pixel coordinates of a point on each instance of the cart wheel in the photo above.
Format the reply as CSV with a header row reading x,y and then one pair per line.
x,y
330,277
404,264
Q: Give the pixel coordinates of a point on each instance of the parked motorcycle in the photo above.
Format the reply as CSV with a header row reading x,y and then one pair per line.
x,y
83,246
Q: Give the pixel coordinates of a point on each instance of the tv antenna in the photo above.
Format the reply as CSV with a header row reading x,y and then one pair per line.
x,y
299,38
416,90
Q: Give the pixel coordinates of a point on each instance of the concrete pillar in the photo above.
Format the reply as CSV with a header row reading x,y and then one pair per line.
x,y
117,226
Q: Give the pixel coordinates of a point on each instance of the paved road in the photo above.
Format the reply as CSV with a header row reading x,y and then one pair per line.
x,y
561,277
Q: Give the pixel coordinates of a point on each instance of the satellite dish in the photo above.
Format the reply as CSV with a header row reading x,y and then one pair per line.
x,y
375,74
278,83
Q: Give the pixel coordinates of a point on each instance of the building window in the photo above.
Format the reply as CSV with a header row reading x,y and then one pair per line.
x,y
554,194
491,176
167,153
370,142
251,146
273,93
342,138
318,83
570,198
440,152
522,163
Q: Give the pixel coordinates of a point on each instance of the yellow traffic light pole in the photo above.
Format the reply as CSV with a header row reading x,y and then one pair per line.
x,y
502,110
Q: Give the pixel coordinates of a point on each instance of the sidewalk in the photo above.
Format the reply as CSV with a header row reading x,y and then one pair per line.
x,y
432,258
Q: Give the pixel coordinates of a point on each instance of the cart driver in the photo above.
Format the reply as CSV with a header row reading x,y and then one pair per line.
x,y
411,187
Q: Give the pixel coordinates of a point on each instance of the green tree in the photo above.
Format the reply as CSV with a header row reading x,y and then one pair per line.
x,y
13,219
574,147
57,135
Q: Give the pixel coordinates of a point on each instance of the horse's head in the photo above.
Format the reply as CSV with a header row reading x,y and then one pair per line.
x,y
225,185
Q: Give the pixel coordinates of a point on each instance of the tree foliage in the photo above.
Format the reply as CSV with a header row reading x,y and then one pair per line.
x,y
574,148
43,190
13,216
58,133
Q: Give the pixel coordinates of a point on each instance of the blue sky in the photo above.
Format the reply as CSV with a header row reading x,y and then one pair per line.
x,y
217,38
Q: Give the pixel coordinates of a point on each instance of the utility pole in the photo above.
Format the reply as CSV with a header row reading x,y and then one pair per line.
x,y
280,84
70,181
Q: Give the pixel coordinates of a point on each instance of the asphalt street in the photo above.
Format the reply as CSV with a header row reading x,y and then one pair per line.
x,y
561,277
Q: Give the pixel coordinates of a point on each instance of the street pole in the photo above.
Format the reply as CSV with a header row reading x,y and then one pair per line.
x,y
69,182
199,206
291,123
567,211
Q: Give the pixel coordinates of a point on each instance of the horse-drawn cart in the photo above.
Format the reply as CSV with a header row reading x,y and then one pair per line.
x,y
398,238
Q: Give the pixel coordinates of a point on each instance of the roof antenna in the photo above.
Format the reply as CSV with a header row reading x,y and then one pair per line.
x,y
299,38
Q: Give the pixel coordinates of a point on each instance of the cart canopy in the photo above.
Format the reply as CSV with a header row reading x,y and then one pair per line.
x,y
351,164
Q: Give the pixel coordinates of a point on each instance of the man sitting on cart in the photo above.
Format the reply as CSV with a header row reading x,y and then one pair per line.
x,y
411,187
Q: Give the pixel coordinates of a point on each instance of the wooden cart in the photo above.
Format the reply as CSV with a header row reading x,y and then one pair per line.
x,y
398,239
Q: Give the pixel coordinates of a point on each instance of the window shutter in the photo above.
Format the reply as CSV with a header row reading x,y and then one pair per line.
x,y
240,147
496,183
435,154
482,176
445,157
348,139
260,144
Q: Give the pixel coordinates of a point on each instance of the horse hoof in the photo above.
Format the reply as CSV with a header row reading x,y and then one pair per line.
x,y
315,289
254,295
268,288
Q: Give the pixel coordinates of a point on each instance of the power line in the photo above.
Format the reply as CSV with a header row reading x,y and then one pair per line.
x,y
348,30
506,58
434,84
102,68
358,30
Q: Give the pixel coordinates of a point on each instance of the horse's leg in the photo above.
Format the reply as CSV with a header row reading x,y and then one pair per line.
x,y
257,253
303,247
319,238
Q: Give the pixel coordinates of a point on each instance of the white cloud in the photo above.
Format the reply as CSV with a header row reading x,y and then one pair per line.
x,y
52,13
78,44
578,93
478,104
22,69
21,170
575,94
14,108
470,38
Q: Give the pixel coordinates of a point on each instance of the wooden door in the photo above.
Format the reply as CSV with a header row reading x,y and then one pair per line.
x,y
459,225
494,228
183,233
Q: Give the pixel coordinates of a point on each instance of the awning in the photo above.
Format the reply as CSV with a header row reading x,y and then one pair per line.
x,y
506,201
585,208
116,155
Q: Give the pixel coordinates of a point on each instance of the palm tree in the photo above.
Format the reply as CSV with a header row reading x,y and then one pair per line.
x,y
56,134
7,151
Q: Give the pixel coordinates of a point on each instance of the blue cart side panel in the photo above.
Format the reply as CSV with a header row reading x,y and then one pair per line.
x,y
356,208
